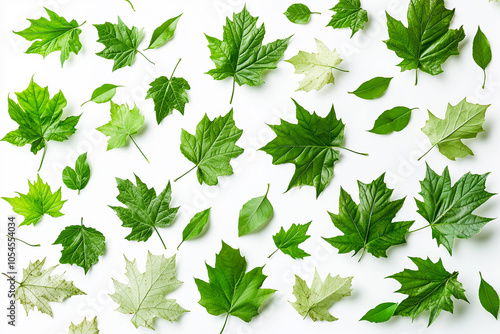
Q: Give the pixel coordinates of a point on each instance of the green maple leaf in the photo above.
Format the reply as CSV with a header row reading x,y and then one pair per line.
x,y
288,241
85,327
312,145
144,295
428,288
38,288
123,124
241,54
39,119
348,14
463,121
231,290
448,209
212,147
56,34
428,41
120,43
168,94
37,202
77,179
145,210
316,300
317,67
369,226
81,245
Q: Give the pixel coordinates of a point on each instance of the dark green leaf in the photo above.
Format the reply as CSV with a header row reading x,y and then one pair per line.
x,y
373,88
395,119
369,226
195,226
348,14
488,297
103,94
481,51
254,214
163,33
380,313
298,13
77,179
288,242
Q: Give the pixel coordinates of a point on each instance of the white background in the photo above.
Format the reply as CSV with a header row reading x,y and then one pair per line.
x,y
365,55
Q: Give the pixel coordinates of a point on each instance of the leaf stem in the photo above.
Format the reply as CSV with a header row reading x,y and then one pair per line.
x,y
43,157
423,155
142,54
232,93
171,76
160,238
267,191
273,253
347,149
339,69
418,229
484,80
416,76
180,244
139,148
362,254
11,278
316,13
184,174
24,242
225,322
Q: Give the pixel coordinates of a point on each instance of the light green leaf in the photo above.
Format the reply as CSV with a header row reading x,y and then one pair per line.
x,y
103,94
163,33
254,214
317,67
85,327
395,119
131,5
488,297
81,245
373,88
38,288
348,14
77,179
195,226
316,300
56,34
299,13
288,242
463,121
37,202
144,295
212,148
380,313
481,51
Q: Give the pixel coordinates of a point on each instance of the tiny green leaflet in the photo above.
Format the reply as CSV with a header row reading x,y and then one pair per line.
x,y
103,94
380,313
77,179
56,34
481,52
395,119
196,226
348,14
488,297
254,214
299,13
163,33
373,88
81,245
288,241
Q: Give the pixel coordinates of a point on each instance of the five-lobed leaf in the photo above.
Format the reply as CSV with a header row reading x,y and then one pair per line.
x,y
317,67
144,295
428,288
288,241
231,290
37,202
428,41
369,226
56,34
488,297
77,179
348,14
298,13
212,147
481,51
448,209
395,119
39,288
39,118
463,121
163,33
195,226
103,93
241,54
145,210
81,245
85,327
373,88
254,214
380,313
316,300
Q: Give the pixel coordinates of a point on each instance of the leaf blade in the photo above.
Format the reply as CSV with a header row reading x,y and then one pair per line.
x,y
488,297
373,88
380,313
395,119
163,33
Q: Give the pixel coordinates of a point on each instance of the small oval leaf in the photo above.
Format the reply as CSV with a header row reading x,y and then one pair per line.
x,y
380,313
488,297
298,13
103,94
195,226
163,33
254,214
372,89
77,179
481,51
395,119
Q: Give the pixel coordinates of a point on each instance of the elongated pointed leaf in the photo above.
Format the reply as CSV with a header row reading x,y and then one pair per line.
x,y
481,51
380,313
103,94
254,214
164,33
373,88
195,226
488,297
395,119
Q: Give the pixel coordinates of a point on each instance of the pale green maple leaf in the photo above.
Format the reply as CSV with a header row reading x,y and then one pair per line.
x,y
85,327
